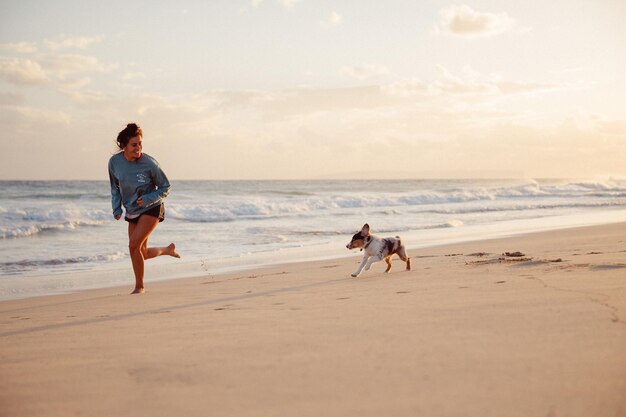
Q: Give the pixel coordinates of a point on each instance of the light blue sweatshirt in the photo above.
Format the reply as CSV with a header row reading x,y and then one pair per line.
x,y
131,180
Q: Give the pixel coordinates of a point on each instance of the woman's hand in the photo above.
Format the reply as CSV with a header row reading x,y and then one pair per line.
x,y
140,202
117,216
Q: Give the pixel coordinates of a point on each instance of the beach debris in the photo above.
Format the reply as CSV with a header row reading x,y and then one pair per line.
x,y
455,254
478,254
508,260
484,262
499,261
514,254
515,260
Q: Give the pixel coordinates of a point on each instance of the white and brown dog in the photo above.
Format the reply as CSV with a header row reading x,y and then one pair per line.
x,y
377,249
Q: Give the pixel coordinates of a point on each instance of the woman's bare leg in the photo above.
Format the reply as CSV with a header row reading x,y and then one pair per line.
x,y
137,240
138,234
154,252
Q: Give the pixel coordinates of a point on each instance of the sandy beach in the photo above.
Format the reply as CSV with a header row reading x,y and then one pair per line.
x,y
468,332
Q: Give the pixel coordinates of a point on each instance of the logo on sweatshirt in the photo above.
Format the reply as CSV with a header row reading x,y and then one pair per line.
x,y
142,178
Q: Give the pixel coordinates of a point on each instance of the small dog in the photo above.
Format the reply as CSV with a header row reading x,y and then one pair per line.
x,y
377,249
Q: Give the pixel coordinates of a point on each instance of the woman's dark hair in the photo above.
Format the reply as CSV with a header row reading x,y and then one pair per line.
x,y
129,132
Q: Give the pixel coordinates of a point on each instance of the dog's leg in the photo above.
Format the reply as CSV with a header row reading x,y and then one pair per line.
x,y
371,261
388,260
360,268
402,254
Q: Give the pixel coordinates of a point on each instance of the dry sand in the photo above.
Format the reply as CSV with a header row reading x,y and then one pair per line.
x,y
460,335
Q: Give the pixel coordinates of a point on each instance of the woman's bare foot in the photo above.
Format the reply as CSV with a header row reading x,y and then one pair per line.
x,y
138,291
172,250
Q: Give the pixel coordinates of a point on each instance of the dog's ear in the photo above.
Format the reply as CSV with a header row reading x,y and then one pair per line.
x,y
366,229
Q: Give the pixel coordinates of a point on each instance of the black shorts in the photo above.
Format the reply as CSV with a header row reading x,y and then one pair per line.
x,y
156,211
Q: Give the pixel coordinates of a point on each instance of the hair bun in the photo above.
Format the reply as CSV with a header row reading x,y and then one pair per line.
x,y
130,131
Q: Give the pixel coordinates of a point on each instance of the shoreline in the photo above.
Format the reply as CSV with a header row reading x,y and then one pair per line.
x,y
163,269
540,334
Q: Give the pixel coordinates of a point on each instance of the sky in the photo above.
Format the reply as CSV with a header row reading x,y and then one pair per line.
x,y
316,89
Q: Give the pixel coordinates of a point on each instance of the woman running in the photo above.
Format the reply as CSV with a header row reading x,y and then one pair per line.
x,y
140,185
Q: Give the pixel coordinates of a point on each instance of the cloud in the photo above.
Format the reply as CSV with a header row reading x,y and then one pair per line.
x,y
474,83
23,118
307,101
470,84
91,100
133,75
19,47
54,68
71,42
132,80
365,71
77,83
63,64
463,21
334,19
288,3
255,4
22,71
515,87
59,71
405,88
11,99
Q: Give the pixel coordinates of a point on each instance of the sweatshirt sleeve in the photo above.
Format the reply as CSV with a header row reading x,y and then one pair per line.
x,y
162,186
116,195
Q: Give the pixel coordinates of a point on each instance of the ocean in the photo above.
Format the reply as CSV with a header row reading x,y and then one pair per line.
x,y
60,236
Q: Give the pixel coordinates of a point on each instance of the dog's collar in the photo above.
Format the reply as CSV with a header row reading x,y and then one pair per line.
x,y
370,240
